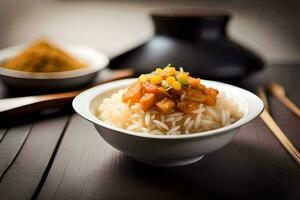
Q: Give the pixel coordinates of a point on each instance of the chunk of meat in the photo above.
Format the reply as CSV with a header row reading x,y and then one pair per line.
x,y
147,101
165,106
195,95
177,92
202,87
212,92
133,93
149,87
210,101
162,93
187,106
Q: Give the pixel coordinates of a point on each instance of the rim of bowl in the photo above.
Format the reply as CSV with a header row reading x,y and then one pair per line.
x,y
254,106
95,59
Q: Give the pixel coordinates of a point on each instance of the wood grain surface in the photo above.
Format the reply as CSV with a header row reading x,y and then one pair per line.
x,y
87,168
11,145
63,157
26,172
2,133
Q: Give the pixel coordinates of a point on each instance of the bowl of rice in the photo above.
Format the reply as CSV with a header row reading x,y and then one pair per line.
x,y
167,117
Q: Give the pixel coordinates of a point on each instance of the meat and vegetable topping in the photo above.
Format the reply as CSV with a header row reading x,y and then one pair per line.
x,y
167,89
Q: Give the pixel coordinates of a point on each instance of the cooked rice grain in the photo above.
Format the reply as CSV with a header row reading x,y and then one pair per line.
x,y
114,111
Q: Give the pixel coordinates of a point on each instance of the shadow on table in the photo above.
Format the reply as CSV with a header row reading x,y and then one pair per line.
x,y
216,176
13,120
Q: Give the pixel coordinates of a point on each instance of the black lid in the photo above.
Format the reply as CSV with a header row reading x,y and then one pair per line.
x,y
190,23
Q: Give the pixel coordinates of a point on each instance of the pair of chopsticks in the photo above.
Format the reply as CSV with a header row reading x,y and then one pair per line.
x,y
278,91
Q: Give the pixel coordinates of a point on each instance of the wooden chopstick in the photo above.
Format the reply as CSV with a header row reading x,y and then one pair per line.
x,y
262,95
286,143
284,99
269,121
289,104
22,105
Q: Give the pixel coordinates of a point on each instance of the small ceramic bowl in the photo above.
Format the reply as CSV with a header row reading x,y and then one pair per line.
x,y
95,60
166,150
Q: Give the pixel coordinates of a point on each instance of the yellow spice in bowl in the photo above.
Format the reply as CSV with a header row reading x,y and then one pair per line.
x,y
42,56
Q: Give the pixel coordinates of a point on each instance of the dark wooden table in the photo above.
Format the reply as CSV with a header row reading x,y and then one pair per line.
x,y
61,156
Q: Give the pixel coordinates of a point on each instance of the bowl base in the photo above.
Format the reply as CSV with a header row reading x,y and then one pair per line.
x,y
170,163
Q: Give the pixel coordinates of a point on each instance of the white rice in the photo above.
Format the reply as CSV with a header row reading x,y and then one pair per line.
x,y
114,111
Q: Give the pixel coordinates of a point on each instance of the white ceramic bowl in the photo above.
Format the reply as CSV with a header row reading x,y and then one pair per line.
x,y
166,150
96,60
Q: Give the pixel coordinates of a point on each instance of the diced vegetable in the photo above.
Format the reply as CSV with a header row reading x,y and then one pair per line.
x,y
182,77
143,78
156,79
171,71
176,85
187,106
149,88
147,101
158,71
169,65
133,94
171,80
194,82
167,89
165,85
165,106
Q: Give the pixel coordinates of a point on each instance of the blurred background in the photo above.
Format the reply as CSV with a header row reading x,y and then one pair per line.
x,y
270,28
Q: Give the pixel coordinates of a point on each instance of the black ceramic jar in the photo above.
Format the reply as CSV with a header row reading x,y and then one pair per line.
x,y
195,40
